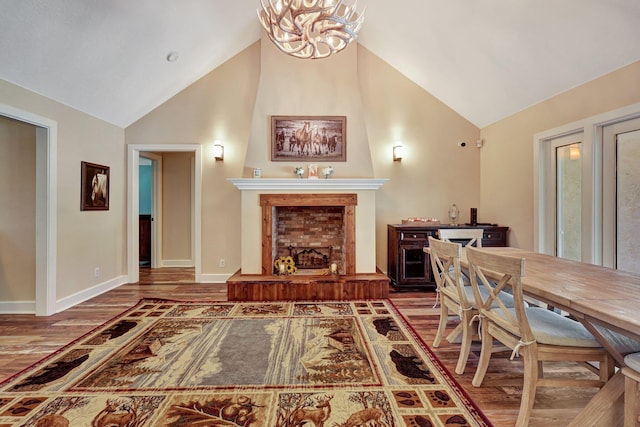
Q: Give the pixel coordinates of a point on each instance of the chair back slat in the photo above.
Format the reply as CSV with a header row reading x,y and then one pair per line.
x,y
507,273
445,263
473,235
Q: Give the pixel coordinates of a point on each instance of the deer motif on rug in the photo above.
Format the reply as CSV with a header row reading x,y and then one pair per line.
x,y
317,416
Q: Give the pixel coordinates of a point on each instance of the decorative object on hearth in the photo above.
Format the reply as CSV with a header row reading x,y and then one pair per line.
x,y
310,29
285,265
218,363
327,172
309,138
299,171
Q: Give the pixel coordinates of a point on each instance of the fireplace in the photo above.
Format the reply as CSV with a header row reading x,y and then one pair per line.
x,y
348,202
320,224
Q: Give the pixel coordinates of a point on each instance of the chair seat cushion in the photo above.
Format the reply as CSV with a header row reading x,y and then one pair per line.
x,y
633,361
553,329
507,299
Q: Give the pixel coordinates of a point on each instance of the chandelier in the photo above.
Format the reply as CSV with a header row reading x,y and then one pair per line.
x,y
310,29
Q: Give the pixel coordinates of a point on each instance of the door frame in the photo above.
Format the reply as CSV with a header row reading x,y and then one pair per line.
x,y
46,206
133,208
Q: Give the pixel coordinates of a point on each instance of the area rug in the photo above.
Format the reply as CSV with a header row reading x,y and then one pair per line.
x,y
277,364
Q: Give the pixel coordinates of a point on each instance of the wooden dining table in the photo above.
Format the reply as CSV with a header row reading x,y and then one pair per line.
x,y
606,301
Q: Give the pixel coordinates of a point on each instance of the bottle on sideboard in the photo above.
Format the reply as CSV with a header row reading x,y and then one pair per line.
x,y
473,217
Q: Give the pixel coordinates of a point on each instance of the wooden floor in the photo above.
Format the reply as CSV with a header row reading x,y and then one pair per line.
x,y
24,339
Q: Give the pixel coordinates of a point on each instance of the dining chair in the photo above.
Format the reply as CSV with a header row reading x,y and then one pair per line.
x,y
456,296
535,333
445,263
473,236
631,373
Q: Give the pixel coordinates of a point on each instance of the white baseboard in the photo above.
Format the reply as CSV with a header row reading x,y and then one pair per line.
x,y
17,307
29,307
214,278
177,263
75,299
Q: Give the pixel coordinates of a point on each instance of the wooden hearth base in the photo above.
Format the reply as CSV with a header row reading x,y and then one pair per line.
x,y
255,287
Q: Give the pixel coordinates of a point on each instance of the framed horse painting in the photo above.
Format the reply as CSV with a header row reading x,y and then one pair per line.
x,y
309,138
94,184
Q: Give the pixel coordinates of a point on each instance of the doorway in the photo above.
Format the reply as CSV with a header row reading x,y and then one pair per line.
x,y
133,204
150,210
46,207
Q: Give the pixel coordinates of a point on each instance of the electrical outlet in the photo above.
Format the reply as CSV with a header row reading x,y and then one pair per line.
x,y
96,272
222,262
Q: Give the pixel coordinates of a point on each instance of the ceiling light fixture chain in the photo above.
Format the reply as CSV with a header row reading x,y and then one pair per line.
x,y
310,29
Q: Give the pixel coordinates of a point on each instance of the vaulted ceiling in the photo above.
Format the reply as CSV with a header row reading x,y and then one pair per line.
x,y
486,59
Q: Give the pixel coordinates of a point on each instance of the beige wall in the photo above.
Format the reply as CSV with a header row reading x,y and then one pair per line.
x,y
507,156
327,87
88,239
232,104
218,106
17,210
381,105
435,172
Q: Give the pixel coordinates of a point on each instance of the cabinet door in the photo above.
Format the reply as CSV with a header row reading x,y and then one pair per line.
x,y
414,264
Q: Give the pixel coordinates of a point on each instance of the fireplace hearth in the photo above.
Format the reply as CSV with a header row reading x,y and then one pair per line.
x,y
350,199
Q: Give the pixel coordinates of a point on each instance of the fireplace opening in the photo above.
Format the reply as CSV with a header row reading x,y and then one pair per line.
x,y
323,223
312,235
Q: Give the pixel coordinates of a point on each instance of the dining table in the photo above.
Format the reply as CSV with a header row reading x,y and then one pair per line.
x,y
605,300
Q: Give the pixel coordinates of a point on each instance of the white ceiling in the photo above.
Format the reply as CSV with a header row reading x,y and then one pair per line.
x,y
486,59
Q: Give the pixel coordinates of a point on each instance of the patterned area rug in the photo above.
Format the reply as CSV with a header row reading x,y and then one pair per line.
x,y
281,364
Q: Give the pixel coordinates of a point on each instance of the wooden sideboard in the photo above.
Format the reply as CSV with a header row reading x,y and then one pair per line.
x,y
409,267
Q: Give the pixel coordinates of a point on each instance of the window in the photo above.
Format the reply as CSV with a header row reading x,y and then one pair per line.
x,y
587,190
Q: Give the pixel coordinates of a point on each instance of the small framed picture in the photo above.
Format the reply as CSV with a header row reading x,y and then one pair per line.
x,y
311,138
94,187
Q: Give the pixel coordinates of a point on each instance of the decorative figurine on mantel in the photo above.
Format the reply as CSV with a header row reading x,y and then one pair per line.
x,y
327,172
299,171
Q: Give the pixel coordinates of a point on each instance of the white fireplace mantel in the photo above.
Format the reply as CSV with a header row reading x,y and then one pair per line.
x,y
252,221
331,184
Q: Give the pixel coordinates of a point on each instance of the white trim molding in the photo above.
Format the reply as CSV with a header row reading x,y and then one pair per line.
x,y
330,184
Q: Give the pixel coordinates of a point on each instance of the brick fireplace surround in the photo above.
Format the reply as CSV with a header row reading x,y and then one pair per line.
x,y
346,285
270,202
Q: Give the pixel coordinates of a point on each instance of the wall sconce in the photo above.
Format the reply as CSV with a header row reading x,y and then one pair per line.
x,y
218,151
398,152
